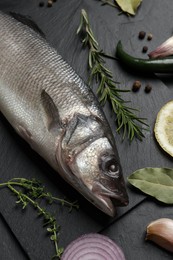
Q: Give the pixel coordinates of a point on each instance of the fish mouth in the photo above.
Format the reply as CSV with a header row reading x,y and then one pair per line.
x,y
109,200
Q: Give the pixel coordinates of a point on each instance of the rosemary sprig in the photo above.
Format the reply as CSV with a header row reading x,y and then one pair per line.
x,y
32,192
126,120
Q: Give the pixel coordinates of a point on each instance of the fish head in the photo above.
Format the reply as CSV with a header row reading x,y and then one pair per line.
x,y
90,163
99,176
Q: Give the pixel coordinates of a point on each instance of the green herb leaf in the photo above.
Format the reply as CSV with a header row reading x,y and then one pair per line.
x,y
53,238
156,182
32,192
49,229
129,6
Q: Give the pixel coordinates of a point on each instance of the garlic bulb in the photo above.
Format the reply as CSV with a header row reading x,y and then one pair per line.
x,y
164,50
160,231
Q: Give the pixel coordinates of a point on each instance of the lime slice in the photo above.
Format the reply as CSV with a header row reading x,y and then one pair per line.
x,y
164,127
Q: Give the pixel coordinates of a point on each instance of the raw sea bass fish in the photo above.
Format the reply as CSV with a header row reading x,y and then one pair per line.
x,y
58,115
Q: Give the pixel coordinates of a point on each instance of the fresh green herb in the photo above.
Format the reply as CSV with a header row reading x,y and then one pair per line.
x,y
127,6
32,192
107,90
156,182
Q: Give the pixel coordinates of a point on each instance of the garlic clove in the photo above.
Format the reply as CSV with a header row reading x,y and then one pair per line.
x,y
164,50
160,231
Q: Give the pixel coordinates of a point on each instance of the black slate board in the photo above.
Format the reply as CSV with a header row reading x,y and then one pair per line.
x,y
9,246
134,225
59,23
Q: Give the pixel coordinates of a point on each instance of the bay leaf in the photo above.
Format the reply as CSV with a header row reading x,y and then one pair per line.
x,y
129,6
156,182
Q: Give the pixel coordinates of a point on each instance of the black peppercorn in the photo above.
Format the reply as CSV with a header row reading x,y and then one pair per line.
x,y
41,4
141,35
144,49
148,88
136,86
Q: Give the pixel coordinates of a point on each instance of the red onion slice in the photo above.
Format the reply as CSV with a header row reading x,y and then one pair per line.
x,y
93,246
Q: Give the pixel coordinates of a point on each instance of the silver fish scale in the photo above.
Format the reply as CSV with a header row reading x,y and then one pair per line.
x,y
35,66
28,66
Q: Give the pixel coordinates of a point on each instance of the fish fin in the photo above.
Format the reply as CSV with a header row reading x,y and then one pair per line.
x,y
27,21
52,114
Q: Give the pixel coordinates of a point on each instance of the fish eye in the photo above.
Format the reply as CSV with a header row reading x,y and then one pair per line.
x,y
110,166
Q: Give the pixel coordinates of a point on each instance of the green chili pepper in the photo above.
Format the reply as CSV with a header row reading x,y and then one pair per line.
x,y
159,65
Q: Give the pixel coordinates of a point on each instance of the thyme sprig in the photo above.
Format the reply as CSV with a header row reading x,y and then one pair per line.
x,y
127,122
33,192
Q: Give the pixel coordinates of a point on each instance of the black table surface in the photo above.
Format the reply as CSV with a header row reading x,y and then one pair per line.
x,y
22,235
